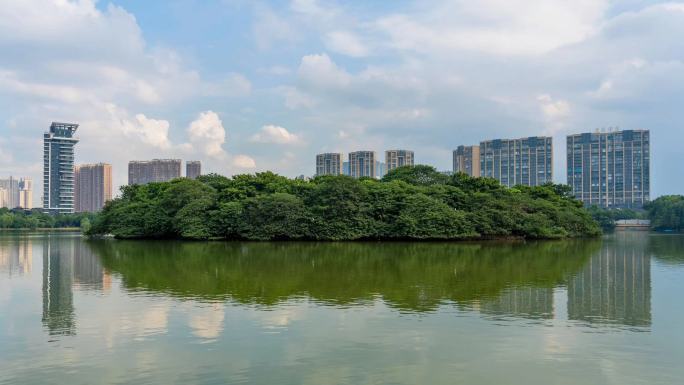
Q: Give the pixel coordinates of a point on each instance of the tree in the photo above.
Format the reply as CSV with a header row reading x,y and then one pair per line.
x,y
419,175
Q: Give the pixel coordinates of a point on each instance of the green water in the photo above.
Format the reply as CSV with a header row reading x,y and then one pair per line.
x,y
606,311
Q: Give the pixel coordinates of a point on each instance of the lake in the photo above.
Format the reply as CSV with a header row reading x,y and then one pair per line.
x,y
603,311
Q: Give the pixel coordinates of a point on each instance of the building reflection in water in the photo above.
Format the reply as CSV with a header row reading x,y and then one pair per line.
x,y
524,302
16,257
615,286
67,263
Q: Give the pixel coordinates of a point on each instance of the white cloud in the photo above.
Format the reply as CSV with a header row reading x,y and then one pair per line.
x,y
312,9
208,134
243,161
295,99
494,26
320,71
154,132
556,113
269,28
346,43
553,109
275,134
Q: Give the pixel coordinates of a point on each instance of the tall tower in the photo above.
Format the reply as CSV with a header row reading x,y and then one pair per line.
x,y
193,169
26,193
329,163
93,186
155,170
398,158
58,168
362,164
610,169
467,160
525,161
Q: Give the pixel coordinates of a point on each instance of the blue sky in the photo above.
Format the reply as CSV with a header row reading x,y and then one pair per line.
x,y
248,86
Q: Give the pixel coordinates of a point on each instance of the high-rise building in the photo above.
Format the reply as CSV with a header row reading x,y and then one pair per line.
x,y
380,169
155,170
525,161
398,158
93,186
11,194
26,193
193,169
329,163
19,192
4,197
610,169
467,160
362,164
58,168
345,168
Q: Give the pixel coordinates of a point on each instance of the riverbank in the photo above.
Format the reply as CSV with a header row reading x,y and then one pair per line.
x,y
408,204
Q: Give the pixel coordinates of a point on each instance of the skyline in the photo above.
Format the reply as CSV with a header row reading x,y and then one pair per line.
x,y
254,86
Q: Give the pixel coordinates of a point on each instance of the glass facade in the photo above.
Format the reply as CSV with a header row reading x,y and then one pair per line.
x,y
58,168
610,169
526,161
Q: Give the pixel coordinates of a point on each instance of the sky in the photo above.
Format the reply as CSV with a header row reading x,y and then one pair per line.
x,y
248,86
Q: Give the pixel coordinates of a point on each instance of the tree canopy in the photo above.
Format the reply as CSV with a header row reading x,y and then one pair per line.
x,y
36,218
408,203
667,213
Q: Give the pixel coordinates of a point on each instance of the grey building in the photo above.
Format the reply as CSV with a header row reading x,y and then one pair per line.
x,y
345,169
58,168
93,186
610,169
362,164
525,161
155,170
11,192
329,163
467,160
193,169
398,158
380,169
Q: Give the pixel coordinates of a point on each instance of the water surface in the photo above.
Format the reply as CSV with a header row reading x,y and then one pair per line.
x,y
604,311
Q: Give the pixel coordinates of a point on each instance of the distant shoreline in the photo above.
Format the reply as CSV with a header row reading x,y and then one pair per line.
x,y
42,229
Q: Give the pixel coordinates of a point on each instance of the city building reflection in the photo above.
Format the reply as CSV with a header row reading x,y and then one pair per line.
x,y
16,256
58,299
525,302
68,263
615,285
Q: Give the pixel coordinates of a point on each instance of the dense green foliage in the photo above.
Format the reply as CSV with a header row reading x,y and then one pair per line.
x,y
667,213
606,217
411,276
409,203
34,219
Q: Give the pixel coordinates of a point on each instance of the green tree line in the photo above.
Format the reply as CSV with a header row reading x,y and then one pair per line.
x,y
606,217
34,219
408,203
667,213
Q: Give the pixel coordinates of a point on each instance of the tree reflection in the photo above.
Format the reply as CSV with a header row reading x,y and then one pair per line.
x,y
414,277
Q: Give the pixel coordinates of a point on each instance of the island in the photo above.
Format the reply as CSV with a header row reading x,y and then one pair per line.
x,y
409,203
